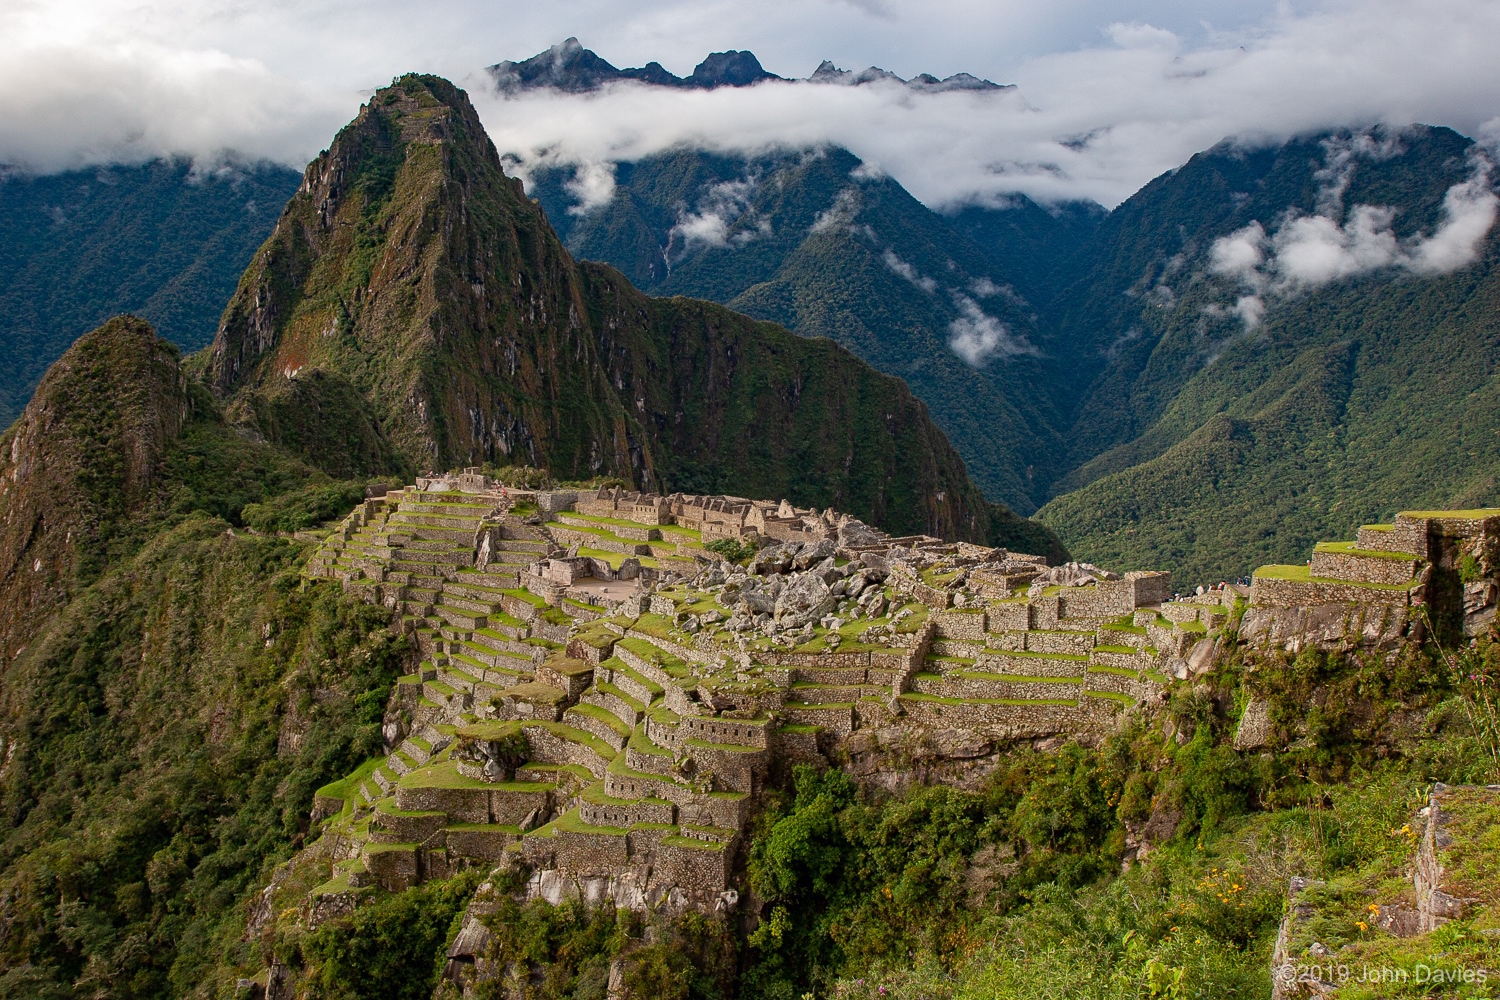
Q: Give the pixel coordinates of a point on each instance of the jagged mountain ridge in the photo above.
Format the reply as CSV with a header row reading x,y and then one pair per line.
x,y
413,291
570,68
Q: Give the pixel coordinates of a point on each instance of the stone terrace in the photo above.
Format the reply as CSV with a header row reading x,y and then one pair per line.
x,y
604,696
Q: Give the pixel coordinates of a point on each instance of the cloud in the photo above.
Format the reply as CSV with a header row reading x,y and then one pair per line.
x,y
1097,121
1308,251
592,185
841,213
1104,102
908,272
975,336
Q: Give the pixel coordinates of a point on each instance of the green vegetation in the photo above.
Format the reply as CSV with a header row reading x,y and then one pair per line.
x,y
147,786
1207,452
729,548
1015,891
161,240
795,417
388,950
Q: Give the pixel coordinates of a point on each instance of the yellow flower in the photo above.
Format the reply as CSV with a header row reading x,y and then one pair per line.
x,y
1361,925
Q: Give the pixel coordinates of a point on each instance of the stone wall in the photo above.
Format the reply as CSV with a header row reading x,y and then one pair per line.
x,y
1270,592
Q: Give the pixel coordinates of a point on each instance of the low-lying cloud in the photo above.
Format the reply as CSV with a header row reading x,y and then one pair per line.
x,y
976,336
908,272
1308,251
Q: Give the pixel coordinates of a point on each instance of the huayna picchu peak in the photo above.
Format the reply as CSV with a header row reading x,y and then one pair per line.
x,y
413,309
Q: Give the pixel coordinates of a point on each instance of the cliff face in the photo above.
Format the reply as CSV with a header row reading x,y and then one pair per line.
x,y
83,454
413,294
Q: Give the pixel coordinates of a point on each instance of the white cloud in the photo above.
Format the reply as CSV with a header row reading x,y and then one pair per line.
x,y
1094,122
1108,96
984,287
592,185
841,213
908,272
1308,251
975,336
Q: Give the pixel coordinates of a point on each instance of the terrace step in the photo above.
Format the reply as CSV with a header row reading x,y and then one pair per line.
x,y
1349,561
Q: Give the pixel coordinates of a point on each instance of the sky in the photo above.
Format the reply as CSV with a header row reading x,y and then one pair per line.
x,y
1107,96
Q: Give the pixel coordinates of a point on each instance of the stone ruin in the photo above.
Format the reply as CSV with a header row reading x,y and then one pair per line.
x,y
604,698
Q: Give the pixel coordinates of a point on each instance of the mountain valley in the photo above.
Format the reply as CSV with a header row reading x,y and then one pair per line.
x,y
532,588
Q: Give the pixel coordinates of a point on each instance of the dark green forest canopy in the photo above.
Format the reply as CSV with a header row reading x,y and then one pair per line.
x,y
164,240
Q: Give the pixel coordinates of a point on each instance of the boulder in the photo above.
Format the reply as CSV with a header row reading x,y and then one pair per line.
x,y
806,600
812,555
1255,726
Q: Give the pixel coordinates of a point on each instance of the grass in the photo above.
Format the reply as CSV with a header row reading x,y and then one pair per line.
x,y
1353,549
522,594
944,700
619,666
692,844
980,675
600,715
344,788
446,775
617,559
641,743
571,822
1303,574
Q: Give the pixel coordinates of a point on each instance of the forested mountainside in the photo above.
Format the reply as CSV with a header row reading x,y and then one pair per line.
x,y
163,240
817,241
1101,364
1213,404
1239,413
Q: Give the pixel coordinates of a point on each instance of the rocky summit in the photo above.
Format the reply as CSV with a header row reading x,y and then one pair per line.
x,y
610,682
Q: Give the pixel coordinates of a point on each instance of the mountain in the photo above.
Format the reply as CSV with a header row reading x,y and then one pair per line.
x,y
1224,427
571,68
152,627
413,309
817,241
162,240
117,441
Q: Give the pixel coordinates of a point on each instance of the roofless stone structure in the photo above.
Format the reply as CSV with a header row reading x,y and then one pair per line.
x,y
604,696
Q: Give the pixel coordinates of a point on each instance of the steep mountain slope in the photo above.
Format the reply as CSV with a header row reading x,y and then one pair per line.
x,y
413,293
1147,312
159,240
818,242
116,441
149,646
1338,402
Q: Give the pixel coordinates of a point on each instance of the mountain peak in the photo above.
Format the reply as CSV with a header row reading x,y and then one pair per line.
x,y
83,455
827,72
728,69
570,68
413,309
